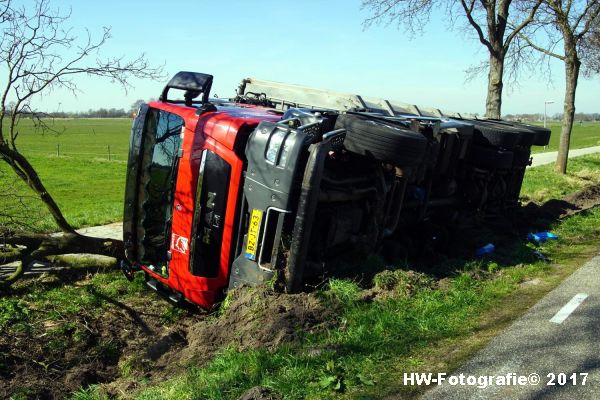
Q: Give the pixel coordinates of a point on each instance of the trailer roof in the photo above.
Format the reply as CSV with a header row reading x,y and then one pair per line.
x,y
286,95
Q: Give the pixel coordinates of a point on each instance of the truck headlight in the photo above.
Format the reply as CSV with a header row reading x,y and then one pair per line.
x,y
274,144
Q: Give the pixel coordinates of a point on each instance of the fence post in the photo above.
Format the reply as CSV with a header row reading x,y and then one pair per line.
x,y
57,150
109,152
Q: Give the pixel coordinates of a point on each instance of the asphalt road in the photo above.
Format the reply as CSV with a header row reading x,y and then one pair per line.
x,y
550,157
559,335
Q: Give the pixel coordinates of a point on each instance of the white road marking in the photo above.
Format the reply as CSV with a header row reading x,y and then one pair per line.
x,y
568,308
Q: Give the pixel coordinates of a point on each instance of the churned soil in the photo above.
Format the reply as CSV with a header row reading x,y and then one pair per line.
x,y
130,341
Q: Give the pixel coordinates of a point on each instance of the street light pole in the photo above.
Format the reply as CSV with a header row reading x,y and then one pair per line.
x,y
545,105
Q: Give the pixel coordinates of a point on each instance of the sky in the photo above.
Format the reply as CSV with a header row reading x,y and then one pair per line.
x,y
313,43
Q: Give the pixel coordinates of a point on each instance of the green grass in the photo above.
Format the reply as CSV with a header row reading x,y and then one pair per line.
x,y
586,134
87,187
82,138
61,310
64,302
542,183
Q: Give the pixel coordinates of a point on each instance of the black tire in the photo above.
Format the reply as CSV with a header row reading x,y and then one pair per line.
x,y
527,138
494,134
526,133
542,135
383,140
490,158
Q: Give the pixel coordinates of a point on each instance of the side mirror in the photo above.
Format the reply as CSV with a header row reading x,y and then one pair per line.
x,y
193,83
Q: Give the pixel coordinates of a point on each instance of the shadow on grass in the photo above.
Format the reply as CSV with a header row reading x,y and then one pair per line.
x,y
133,314
53,279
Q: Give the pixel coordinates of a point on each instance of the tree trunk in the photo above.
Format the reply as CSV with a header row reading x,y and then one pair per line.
x,y
493,103
27,173
572,65
38,247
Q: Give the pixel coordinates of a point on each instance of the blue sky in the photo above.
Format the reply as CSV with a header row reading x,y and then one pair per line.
x,y
312,43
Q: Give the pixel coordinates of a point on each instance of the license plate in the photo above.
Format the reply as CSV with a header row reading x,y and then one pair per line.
x,y
253,230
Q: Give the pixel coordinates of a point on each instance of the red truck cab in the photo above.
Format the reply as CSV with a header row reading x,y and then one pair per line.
x,y
182,198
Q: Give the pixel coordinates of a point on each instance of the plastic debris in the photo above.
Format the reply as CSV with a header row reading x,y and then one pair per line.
x,y
541,237
487,249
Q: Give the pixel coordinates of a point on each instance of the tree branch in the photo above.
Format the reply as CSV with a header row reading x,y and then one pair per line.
x,y
517,29
541,49
469,14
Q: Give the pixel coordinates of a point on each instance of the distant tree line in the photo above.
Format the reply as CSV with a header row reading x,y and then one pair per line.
x,y
99,113
537,117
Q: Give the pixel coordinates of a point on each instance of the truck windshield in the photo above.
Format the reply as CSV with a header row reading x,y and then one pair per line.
x,y
161,144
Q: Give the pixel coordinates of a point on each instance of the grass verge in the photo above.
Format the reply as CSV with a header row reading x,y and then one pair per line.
x,y
74,328
542,183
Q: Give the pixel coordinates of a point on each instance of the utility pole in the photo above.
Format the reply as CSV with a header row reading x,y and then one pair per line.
x,y
545,107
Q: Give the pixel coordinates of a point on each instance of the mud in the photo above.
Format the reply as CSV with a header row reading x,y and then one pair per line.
x,y
253,318
52,356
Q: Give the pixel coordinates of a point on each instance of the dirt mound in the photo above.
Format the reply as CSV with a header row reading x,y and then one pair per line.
x,y
572,204
586,199
252,318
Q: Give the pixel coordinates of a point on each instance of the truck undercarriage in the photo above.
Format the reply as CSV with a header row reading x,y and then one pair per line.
x,y
280,180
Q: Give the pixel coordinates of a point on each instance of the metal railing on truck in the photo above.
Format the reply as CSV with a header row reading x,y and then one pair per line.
x,y
284,96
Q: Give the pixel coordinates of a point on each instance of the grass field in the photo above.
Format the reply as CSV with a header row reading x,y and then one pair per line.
x,y
542,183
586,134
86,185
85,138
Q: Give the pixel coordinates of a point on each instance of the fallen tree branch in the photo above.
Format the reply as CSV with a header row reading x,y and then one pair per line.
x,y
38,247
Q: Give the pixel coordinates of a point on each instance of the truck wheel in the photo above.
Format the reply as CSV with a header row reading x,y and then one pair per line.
x,y
542,136
490,158
495,134
384,140
526,132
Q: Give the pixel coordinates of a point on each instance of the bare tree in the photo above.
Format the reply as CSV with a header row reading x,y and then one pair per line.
x,y
572,23
495,22
39,54
590,50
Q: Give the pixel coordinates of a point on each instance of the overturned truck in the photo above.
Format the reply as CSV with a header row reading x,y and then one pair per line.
x,y
278,181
